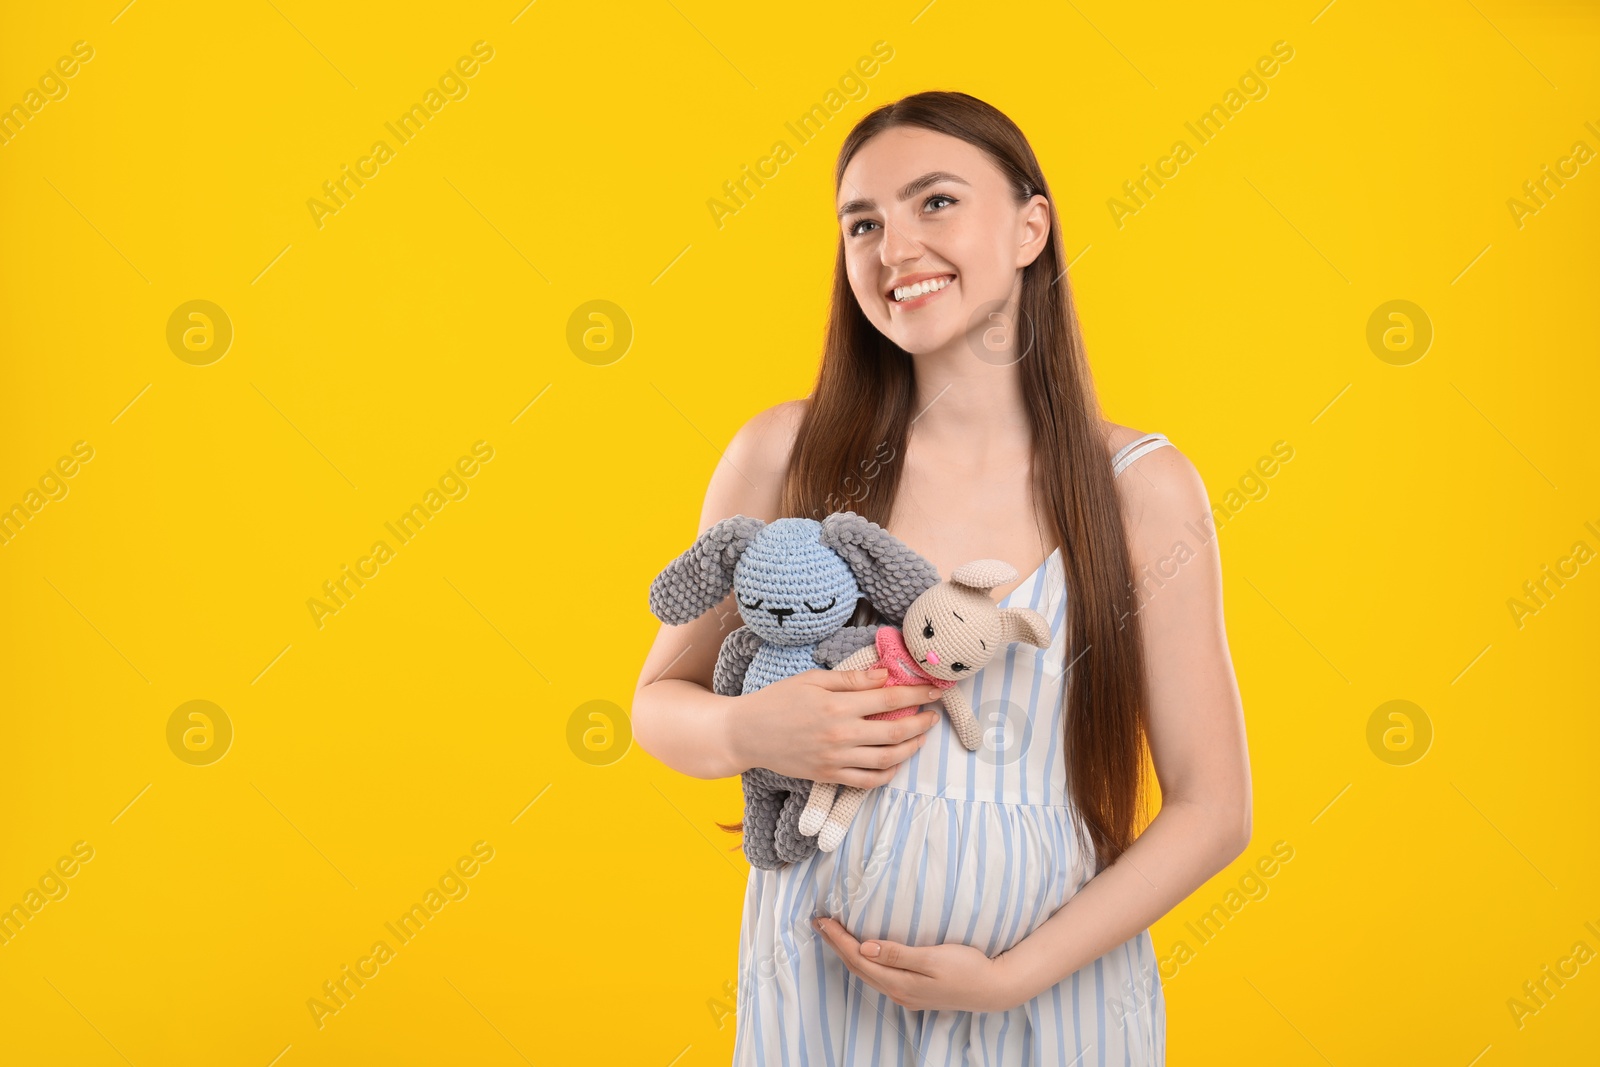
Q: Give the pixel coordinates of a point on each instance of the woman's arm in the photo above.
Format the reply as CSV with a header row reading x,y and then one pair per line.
x,y
676,716
1196,730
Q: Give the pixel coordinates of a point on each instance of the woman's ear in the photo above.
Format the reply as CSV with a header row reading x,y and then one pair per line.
x,y
1033,228
698,580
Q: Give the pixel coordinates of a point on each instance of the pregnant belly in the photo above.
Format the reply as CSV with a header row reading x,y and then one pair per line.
x,y
928,870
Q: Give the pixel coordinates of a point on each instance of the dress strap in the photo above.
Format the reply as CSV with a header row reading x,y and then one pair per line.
x,y
1134,449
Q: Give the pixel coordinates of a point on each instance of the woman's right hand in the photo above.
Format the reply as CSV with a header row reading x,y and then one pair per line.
x,y
814,725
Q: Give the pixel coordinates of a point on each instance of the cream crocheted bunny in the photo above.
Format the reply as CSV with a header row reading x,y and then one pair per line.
x,y
951,630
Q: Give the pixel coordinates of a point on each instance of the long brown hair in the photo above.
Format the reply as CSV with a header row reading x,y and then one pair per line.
x,y
847,456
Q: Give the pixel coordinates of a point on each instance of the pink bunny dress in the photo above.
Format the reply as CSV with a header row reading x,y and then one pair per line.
x,y
903,669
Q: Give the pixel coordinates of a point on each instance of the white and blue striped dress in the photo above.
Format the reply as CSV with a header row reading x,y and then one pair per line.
x,y
978,848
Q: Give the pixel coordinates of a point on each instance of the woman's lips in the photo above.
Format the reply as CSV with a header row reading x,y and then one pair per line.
x,y
908,305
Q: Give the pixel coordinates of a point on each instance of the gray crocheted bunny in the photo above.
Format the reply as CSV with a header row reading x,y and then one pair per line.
x,y
797,582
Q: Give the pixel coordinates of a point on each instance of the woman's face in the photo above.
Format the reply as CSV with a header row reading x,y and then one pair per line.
x,y
917,205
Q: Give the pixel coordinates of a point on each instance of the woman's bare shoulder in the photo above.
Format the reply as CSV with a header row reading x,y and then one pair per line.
x,y
768,436
781,422
1161,491
1117,436
749,480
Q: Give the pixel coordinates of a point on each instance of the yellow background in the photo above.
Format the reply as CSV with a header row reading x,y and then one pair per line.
x,y
436,708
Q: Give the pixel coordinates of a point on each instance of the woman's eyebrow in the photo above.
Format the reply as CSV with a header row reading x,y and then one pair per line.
x,y
910,189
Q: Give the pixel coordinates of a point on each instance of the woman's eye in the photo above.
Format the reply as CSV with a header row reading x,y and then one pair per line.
x,y
959,666
855,227
824,607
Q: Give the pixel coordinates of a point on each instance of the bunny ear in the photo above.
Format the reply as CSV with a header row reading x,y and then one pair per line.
x,y
696,581
984,574
889,573
1024,624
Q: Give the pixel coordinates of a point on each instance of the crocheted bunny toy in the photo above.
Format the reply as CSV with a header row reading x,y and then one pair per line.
x,y
797,582
950,631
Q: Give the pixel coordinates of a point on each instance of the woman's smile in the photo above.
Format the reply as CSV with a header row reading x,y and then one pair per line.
x,y
923,300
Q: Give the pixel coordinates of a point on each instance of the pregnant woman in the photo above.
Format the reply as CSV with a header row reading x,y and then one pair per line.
x,y
988,906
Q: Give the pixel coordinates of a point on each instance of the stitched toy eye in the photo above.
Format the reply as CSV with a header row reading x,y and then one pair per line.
x,y
757,604
820,610
959,666
927,629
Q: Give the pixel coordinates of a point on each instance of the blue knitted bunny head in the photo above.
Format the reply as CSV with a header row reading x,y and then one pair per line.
x,y
797,581
791,588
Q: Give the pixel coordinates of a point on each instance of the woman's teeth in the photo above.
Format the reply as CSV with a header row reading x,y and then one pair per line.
x,y
911,292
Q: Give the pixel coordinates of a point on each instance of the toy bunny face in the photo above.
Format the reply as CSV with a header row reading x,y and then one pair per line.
x,y
797,580
952,635
792,589
954,628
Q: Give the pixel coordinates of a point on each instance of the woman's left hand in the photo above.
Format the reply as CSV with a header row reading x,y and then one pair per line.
x,y
939,977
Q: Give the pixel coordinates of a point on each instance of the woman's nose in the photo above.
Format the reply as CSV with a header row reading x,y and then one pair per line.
x,y
897,246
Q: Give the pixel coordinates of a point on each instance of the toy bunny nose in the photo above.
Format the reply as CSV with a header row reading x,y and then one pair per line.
x,y
933,657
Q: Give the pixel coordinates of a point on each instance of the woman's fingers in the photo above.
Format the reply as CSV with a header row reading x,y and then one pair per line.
x,y
884,697
864,779
879,757
885,732
895,697
843,681
876,747
867,777
873,765
870,971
